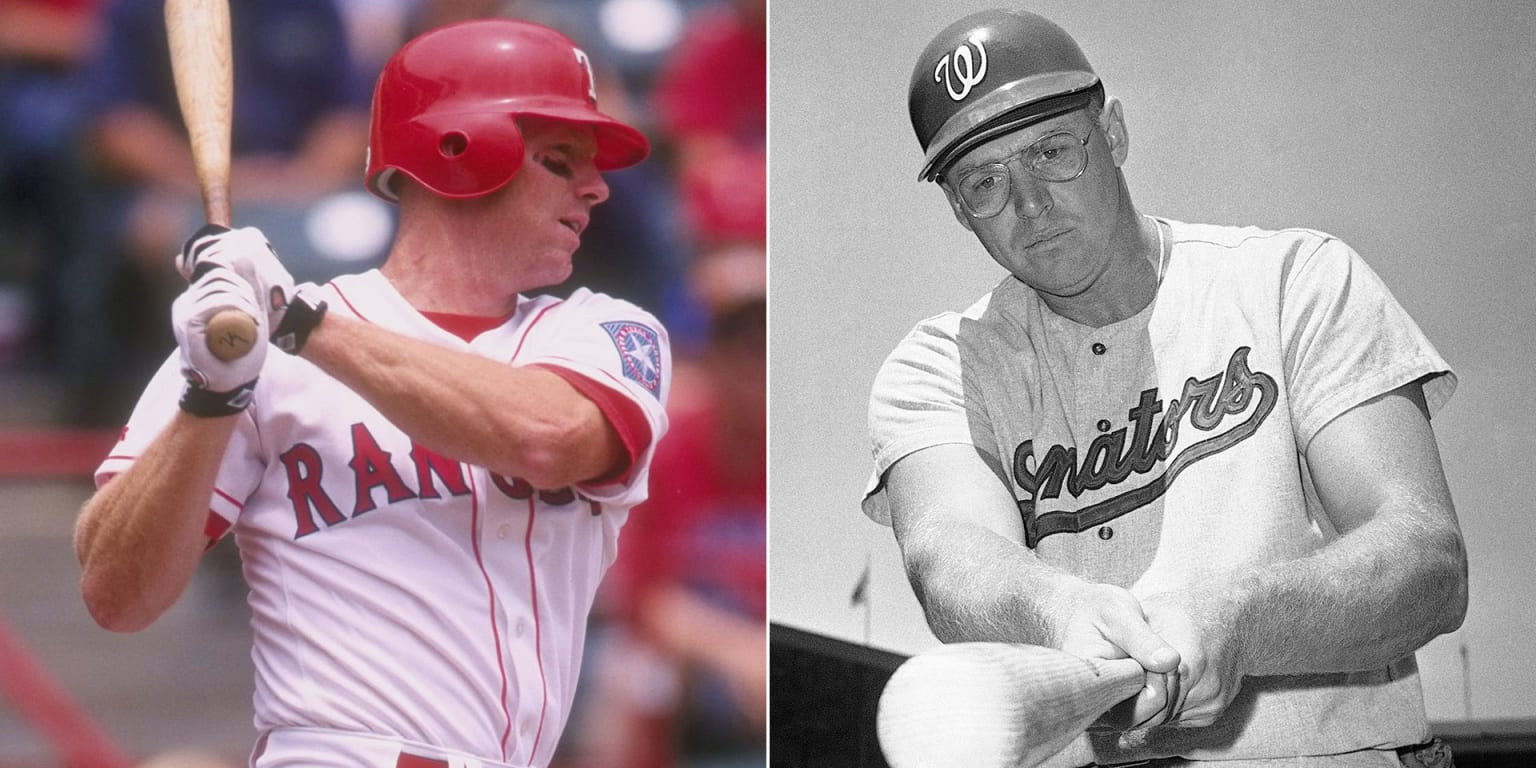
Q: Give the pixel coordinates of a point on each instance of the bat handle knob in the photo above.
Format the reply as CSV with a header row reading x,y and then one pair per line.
x,y
231,334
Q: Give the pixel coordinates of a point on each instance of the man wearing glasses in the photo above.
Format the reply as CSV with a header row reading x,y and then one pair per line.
x,y
1204,448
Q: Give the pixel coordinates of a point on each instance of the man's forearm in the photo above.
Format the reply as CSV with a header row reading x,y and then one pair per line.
x,y
963,546
977,586
1365,601
526,423
140,537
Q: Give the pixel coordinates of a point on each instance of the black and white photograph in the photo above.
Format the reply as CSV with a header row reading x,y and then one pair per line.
x,y
1141,383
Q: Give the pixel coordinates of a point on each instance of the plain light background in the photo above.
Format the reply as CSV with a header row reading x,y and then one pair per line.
x,y
1408,129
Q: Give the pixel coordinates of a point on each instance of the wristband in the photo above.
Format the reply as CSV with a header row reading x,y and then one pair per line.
x,y
299,320
209,404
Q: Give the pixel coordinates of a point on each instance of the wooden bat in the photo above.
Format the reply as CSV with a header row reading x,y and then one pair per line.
x,y
995,705
202,65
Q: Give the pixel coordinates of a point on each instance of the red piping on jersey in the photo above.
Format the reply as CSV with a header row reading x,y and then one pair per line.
x,y
333,286
501,665
529,329
538,635
238,505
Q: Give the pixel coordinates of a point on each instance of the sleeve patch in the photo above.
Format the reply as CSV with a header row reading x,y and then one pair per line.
x,y
639,353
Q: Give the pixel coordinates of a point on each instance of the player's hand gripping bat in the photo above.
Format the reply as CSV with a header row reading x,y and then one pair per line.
x,y
995,705
201,62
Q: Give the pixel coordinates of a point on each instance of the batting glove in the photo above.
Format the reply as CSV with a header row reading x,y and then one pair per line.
x,y
216,387
291,316
299,314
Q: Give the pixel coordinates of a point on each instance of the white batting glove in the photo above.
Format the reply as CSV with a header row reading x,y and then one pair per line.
x,y
246,251
216,387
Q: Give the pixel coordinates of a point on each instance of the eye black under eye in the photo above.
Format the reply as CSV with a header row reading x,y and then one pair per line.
x,y
555,165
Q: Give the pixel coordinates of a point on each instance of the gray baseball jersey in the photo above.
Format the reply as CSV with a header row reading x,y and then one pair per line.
x,y
1167,449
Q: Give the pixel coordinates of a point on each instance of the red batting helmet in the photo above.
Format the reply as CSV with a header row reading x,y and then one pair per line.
x,y
990,73
444,107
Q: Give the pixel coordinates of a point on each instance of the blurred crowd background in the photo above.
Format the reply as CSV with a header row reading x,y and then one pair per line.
x,y
97,192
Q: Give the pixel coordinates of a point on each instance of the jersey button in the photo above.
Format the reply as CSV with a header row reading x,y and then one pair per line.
x,y
1099,348
1104,425
504,531
1106,533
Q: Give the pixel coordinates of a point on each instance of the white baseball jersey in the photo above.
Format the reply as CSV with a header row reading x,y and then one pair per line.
x,y
402,593
1166,450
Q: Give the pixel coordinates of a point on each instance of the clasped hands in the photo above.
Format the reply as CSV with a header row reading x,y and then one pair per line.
x,y
1183,639
234,269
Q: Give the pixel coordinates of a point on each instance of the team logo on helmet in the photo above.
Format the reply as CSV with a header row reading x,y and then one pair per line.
x,y
968,71
586,64
639,353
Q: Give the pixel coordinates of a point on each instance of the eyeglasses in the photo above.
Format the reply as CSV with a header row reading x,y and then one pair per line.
x,y
984,190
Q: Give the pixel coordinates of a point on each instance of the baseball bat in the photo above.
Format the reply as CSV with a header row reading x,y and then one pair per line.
x,y
202,66
995,705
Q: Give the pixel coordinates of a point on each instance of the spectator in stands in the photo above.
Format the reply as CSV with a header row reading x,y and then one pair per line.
x,y
712,101
42,46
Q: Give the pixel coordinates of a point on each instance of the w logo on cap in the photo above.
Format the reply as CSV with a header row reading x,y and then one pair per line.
x,y
968,72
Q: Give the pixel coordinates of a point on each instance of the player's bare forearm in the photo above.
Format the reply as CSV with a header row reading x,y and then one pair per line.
x,y
1394,580
522,422
140,537
1373,597
975,586
963,546
964,554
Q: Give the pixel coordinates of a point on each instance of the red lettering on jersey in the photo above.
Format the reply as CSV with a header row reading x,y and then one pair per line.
x,y
518,488
428,464
371,468
558,498
304,470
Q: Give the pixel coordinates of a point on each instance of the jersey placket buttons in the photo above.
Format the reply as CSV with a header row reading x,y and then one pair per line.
x,y
1099,348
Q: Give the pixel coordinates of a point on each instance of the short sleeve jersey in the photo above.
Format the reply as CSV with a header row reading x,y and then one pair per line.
x,y
1168,449
400,592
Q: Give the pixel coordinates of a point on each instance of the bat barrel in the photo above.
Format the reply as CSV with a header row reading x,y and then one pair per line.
x,y
995,705
198,33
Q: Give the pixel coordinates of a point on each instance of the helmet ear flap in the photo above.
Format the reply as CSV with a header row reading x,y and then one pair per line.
x,y
459,154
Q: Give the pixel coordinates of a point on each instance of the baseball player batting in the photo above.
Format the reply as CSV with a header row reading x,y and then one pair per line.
x,y
1205,448
426,471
